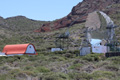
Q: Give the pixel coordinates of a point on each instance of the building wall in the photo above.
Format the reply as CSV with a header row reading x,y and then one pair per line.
x,y
30,49
85,51
99,49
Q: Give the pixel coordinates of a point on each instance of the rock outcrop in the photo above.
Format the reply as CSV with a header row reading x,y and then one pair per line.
x,y
80,12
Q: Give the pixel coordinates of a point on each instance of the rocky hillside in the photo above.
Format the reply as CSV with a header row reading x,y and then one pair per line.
x,y
80,11
19,29
19,23
16,30
64,65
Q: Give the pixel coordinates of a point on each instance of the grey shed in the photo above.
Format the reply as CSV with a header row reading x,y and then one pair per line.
x,y
85,51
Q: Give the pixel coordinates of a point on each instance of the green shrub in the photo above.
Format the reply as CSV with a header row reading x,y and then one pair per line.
x,y
98,74
76,66
112,67
3,59
102,64
34,58
69,55
28,68
70,51
5,68
42,69
76,52
115,60
11,75
3,77
56,76
51,77
63,75
60,52
103,78
11,59
56,58
26,72
93,57
80,76
7,77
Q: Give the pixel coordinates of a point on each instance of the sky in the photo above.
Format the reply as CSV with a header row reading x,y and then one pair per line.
x,y
44,10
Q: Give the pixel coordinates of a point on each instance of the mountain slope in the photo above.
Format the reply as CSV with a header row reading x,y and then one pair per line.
x,y
80,12
19,29
16,30
21,23
16,25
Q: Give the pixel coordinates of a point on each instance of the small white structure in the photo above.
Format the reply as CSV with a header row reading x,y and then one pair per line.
x,y
56,49
97,47
2,54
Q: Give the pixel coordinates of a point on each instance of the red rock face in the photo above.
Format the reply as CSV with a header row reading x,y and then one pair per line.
x,y
79,13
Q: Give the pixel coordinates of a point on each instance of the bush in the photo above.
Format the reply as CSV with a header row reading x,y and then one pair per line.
x,y
112,67
24,73
60,52
69,55
103,78
76,66
3,77
12,74
93,57
33,58
99,74
56,58
42,69
28,68
56,76
76,52
80,76
102,64
115,60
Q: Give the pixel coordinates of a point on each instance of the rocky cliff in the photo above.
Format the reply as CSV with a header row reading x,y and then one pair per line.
x,y
80,12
